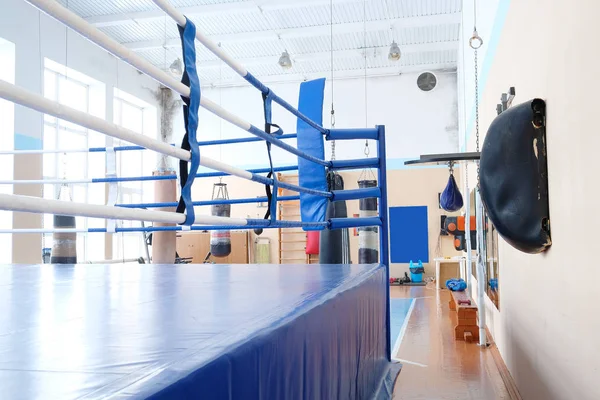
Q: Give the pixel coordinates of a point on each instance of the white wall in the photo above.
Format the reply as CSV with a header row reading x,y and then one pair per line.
x,y
37,36
548,320
416,122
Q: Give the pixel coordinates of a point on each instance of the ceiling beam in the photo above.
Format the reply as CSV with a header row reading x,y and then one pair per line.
x,y
340,75
311,31
141,16
237,7
338,54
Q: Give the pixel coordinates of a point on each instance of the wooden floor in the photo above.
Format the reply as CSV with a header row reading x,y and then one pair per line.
x,y
435,365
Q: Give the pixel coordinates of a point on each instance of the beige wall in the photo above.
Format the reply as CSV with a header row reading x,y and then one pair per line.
x,y
27,248
412,187
549,318
408,187
238,188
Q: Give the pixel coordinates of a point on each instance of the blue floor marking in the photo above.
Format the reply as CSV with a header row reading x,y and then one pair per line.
x,y
399,309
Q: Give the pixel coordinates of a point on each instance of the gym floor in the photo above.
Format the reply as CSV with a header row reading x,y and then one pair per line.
x,y
435,365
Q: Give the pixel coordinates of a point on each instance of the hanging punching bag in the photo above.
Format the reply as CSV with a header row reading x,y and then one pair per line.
x,y
514,176
334,245
312,243
64,246
220,241
368,250
451,199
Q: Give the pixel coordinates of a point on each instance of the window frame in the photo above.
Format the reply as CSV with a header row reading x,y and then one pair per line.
x,y
62,76
129,191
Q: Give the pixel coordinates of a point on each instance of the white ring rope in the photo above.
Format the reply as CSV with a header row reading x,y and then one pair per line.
x,y
179,18
50,151
46,182
81,26
38,205
44,230
39,103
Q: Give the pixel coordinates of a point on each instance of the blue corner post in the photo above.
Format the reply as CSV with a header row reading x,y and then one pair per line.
x,y
384,232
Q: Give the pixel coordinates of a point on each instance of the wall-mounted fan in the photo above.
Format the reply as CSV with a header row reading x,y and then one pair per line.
x,y
426,81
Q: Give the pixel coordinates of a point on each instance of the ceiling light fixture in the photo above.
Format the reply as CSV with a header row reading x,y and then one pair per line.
x,y
176,67
394,54
285,61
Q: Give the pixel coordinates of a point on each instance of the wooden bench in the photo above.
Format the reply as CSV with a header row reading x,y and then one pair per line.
x,y
467,328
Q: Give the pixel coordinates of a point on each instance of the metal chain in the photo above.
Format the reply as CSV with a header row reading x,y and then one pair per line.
x,y
332,71
475,43
332,127
476,104
477,112
365,55
467,178
333,150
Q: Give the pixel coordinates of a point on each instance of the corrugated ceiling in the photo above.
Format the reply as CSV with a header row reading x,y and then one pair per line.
x,y
257,31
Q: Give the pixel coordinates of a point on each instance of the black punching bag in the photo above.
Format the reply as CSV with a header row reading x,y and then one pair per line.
x,y
514,178
64,247
368,249
220,240
334,245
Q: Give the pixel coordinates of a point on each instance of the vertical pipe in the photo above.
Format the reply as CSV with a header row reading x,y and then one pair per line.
x,y
384,230
481,280
164,244
469,266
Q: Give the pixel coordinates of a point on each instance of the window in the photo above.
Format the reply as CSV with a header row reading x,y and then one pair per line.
x,y
81,92
7,133
132,113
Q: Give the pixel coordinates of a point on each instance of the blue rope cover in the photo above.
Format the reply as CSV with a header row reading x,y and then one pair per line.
x,y
190,114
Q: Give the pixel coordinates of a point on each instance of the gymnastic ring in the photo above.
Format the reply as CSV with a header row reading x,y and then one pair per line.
x,y
476,41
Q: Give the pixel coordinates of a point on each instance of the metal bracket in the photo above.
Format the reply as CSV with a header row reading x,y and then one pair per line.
x,y
506,100
441,159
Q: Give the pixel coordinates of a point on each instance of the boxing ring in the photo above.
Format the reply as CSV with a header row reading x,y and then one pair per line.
x,y
199,331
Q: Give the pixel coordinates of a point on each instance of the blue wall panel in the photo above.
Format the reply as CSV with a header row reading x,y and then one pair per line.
x,y
409,236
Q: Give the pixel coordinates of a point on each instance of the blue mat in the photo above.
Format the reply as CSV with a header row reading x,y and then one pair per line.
x,y
194,331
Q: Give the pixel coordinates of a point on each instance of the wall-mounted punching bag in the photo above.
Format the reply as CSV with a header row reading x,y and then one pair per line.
x,y
220,241
514,179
